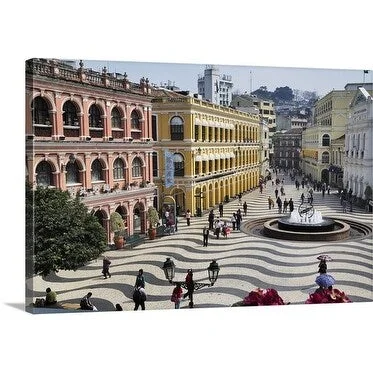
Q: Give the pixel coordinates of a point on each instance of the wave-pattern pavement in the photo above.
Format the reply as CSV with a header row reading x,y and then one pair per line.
x,y
246,262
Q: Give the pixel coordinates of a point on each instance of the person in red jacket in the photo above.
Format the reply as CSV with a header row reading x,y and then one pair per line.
x,y
190,287
176,295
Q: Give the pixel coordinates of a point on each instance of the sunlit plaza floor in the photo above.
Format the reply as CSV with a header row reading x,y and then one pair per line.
x,y
246,262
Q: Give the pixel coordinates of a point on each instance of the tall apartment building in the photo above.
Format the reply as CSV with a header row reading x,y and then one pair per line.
x,y
329,124
90,133
215,87
214,152
287,148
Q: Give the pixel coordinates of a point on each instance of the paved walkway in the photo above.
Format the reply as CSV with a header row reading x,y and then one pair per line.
x,y
246,262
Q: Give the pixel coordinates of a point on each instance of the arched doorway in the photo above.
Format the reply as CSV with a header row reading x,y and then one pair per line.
x,y
103,220
179,196
325,176
122,211
139,218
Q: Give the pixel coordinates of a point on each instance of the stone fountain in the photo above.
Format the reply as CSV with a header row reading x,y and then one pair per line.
x,y
305,224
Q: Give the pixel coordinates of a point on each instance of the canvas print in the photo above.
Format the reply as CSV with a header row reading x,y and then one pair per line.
x,y
164,186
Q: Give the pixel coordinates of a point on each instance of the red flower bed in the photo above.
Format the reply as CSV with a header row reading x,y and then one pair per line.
x,y
263,297
328,296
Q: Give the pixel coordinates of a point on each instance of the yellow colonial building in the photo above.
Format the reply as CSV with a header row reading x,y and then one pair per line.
x,y
203,153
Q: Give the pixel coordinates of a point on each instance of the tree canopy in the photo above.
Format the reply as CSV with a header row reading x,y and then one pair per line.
x,y
279,94
62,235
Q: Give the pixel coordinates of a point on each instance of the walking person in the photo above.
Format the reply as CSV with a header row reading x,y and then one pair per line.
x,y
322,266
291,205
211,219
238,219
105,267
286,204
279,204
139,297
344,205
244,208
221,209
225,230
176,295
140,280
240,199
276,193
217,229
188,216
270,203
205,233
190,287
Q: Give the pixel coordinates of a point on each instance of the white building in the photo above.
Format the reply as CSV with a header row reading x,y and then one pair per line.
x,y
358,174
214,87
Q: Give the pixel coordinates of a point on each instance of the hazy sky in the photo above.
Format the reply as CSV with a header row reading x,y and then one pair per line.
x,y
185,75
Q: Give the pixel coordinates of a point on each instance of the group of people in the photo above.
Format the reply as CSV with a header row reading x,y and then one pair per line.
x,y
219,226
284,205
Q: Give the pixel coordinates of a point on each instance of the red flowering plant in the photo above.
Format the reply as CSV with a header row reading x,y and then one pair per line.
x,y
328,296
261,297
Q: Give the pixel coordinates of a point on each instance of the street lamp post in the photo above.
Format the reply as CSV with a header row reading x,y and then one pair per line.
x,y
169,271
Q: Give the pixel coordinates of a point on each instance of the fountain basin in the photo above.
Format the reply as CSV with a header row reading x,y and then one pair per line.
x,y
325,225
307,232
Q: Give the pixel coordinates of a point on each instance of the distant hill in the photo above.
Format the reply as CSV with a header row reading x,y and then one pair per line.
x,y
286,95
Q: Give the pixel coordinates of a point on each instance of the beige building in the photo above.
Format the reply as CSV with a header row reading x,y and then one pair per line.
x,y
330,120
205,153
265,110
358,174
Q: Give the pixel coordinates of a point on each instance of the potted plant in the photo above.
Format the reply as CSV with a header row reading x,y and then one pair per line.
x,y
153,219
117,226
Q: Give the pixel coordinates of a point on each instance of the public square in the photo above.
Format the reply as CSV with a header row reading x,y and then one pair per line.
x,y
246,261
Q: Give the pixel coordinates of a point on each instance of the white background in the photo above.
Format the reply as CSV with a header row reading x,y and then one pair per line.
x,y
287,339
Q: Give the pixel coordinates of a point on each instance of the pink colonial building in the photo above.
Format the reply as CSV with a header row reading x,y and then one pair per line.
x,y
91,133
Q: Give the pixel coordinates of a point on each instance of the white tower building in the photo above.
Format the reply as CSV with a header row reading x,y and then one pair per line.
x,y
214,87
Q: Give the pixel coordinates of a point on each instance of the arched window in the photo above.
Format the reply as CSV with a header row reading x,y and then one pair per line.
x,y
44,174
177,128
325,157
135,120
136,167
72,173
40,111
326,140
96,173
118,169
116,118
95,117
70,117
178,164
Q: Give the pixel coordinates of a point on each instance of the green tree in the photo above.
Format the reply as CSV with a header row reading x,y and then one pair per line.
x,y
283,94
65,235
